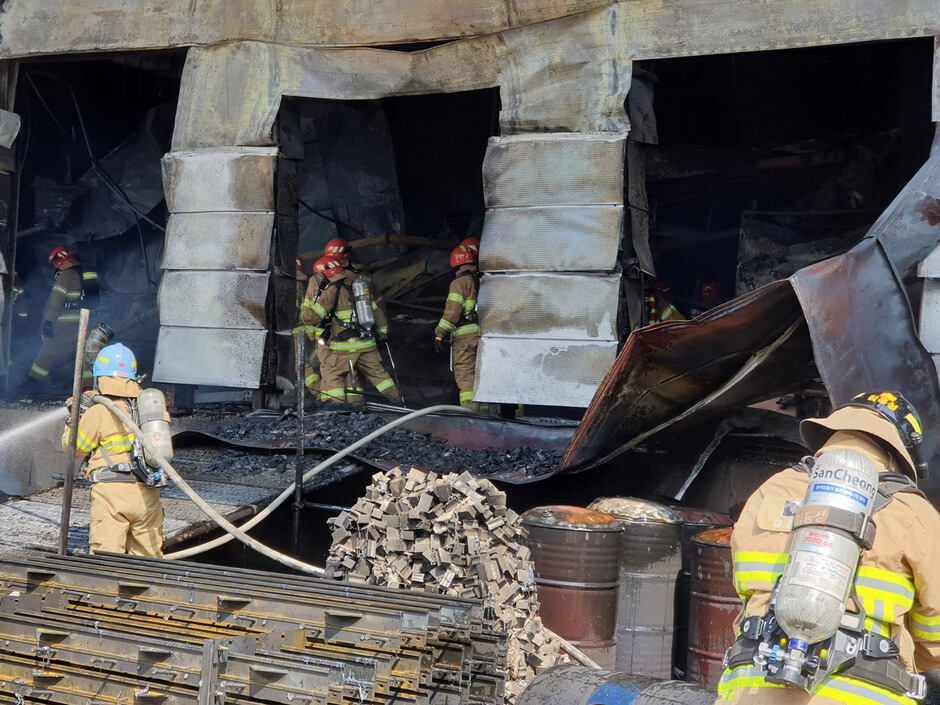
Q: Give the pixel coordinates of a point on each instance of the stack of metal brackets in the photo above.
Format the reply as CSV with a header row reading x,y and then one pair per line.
x,y
549,294
116,629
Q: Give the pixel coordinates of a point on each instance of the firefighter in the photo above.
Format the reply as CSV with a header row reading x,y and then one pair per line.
x,y
307,292
459,322
348,336
884,616
708,296
59,327
658,307
126,514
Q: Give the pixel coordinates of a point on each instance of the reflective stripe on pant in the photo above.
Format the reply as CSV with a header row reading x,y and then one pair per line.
x,y
126,517
465,366
55,351
334,370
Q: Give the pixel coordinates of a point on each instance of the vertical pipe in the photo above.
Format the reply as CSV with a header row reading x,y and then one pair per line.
x,y
73,431
299,459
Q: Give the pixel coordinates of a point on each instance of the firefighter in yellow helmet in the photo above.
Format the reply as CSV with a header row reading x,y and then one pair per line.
x,y
126,513
839,574
348,336
459,322
307,291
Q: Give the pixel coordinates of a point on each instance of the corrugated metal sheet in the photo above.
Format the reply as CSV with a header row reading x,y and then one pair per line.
x,y
218,241
213,356
555,306
554,169
224,179
213,300
557,238
534,371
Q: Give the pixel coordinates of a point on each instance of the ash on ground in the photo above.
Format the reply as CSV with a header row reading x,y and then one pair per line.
x,y
338,429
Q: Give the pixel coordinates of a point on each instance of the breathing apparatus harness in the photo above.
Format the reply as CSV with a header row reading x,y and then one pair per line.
x,y
471,316
355,327
853,650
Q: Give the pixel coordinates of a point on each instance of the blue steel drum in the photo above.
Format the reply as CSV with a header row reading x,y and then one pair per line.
x,y
576,685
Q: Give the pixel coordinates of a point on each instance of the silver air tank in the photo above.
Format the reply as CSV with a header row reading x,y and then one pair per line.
x,y
151,413
362,300
99,337
820,571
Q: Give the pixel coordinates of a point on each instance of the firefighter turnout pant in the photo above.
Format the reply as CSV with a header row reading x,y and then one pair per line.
x,y
56,350
465,365
334,369
126,517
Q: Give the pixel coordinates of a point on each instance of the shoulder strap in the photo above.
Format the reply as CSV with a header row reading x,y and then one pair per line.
x,y
889,484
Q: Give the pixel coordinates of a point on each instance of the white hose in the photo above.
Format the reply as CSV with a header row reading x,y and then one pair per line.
x,y
239,532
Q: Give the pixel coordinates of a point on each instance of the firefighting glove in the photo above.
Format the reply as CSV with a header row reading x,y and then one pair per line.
x,y
46,330
438,345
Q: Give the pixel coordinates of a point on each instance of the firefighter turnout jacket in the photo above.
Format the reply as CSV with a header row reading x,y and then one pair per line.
x,y
102,436
897,582
461,305
334,307
65,297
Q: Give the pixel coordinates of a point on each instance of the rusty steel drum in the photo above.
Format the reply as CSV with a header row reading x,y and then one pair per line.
x,y
576,685
575,555
694,521
714,605
649,563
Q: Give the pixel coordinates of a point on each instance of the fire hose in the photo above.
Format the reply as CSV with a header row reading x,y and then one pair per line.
x,y
239,532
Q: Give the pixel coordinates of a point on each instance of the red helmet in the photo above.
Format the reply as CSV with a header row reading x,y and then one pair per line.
x,y
60,254
710,289
472,243
338,247
462,255
661,285
328,265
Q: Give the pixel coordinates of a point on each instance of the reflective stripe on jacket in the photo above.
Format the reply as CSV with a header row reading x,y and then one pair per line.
x,y
897,581
461,301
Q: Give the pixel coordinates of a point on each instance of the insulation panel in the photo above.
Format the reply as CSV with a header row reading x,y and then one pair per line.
x,y
213,356
554,169
559,238
222,241
557,372
213,300
554,306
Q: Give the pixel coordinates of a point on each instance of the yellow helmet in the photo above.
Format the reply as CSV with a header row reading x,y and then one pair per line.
x,y
885,415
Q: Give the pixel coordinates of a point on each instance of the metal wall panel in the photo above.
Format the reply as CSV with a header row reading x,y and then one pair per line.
x,y
554,306
218,241
222,300
556,373
559,238
554,169
225,179
213,356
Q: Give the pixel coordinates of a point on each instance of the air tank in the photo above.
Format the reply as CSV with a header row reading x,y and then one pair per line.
x,y
714,605
649,563
362,300
575,552
151,410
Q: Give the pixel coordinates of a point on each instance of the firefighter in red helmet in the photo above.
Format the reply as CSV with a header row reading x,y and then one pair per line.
x,y
59,327
350,326
460,323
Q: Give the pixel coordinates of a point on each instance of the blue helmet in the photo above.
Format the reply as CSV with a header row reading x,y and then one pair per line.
x,y
115,360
